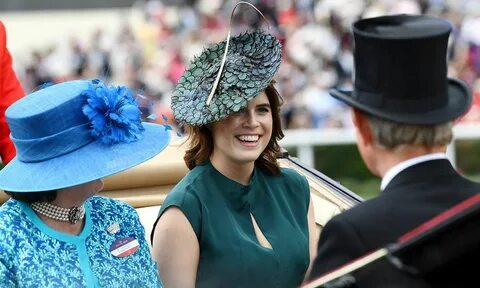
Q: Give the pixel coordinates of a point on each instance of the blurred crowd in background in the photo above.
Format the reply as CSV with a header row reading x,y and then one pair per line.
x,y
315,35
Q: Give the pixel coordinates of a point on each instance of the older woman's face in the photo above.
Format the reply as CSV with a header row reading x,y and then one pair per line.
x,y
242,137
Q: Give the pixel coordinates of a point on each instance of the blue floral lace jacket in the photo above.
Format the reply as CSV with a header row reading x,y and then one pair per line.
x,y
34,255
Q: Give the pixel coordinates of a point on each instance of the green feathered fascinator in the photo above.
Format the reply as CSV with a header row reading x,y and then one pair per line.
x,y
203,95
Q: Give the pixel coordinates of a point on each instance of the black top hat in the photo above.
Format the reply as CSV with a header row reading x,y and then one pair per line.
x,y
401,71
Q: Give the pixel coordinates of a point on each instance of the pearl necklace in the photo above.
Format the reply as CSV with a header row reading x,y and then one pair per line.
x,y
72,215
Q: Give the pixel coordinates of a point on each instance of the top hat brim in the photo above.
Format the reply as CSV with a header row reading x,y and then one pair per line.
x,y
88,163
459,100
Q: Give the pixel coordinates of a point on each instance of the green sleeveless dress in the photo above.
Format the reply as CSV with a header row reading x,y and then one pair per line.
x,y
219,208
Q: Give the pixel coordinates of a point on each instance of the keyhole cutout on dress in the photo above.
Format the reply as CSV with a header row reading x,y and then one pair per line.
x,y
262,240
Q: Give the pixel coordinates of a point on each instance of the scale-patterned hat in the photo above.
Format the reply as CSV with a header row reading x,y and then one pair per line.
x,y
205,95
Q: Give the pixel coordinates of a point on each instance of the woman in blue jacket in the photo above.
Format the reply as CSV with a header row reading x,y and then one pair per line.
x,y
55,232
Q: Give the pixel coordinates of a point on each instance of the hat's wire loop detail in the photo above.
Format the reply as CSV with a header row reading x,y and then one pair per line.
x,y
217,79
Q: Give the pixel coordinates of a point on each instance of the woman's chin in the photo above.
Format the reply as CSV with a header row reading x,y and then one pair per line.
x,y
247,156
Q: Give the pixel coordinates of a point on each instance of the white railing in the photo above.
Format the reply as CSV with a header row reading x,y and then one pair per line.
x,y
305,140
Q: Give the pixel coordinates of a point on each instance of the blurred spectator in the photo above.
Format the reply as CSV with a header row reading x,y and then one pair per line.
x,y
10,91
315,35
79,59
98,61
473,115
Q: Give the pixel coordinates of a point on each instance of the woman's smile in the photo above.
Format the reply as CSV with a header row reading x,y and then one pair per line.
x,y
248,140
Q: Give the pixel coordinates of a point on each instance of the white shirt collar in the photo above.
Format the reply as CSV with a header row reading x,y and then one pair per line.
x,y
392,172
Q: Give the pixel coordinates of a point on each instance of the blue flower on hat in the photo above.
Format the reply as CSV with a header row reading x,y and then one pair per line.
x,y
113,113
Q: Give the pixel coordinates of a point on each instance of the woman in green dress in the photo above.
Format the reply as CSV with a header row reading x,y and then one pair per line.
x,y
236,219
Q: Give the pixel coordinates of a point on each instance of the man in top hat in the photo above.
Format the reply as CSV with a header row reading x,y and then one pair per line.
x,y
403,108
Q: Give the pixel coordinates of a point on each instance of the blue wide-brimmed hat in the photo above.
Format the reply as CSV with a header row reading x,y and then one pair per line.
x,y
76,132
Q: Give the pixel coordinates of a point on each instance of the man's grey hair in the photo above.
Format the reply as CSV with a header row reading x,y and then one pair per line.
x,y
392,134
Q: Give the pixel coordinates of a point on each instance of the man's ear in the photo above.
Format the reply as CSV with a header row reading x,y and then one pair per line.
x,y
362,125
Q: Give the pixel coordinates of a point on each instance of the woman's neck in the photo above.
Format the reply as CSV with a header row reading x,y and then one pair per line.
x,y
68,198
239,172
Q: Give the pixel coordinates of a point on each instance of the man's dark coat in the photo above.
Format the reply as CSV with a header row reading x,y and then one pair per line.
x,y
415,195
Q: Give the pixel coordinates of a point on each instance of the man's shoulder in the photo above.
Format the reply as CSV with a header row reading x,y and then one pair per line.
x,y
383,219
366,210
373,219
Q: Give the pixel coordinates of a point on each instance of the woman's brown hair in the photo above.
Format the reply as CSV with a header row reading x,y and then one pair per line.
x,y
201,140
